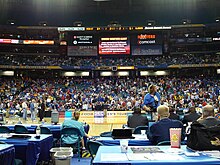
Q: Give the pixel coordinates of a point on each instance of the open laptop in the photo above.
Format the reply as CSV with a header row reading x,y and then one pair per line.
x,y
122,133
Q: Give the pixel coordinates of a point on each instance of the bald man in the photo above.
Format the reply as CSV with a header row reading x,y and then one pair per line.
x,y
208,118
160,130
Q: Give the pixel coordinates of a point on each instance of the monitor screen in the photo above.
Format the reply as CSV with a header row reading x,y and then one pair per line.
x,y
117,45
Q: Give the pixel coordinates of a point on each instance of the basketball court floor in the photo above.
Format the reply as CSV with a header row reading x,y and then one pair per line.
x,y
97,124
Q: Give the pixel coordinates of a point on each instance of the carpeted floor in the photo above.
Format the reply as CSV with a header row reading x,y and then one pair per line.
x,y
83,161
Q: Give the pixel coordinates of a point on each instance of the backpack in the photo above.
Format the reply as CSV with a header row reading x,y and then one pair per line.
x,y
203,138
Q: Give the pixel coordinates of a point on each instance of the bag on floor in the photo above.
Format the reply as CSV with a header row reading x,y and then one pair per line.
x,y
204,138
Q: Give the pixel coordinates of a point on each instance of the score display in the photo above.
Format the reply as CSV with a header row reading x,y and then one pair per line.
x,y
114,45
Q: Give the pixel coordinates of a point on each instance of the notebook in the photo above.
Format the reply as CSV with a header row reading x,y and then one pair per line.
x,y
122,134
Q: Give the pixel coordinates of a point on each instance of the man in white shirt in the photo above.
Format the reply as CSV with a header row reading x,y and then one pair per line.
x,y
24,108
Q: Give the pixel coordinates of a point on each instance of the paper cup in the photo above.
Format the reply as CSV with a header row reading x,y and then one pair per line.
x,y
143,132
124,146
175,137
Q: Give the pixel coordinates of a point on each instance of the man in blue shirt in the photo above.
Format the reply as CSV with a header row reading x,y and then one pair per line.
x,y
160,130
74,123
151,99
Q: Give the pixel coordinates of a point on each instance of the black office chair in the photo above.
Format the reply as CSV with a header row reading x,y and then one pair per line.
x,y
4,129
65,132
93,147
20,129
16,161
45,130
138,129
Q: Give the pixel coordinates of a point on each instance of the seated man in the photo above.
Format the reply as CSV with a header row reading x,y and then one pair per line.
x,y
208,118
74,123
160,130
173,114
137,119
191,116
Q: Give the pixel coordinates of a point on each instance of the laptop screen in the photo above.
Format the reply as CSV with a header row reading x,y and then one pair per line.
x,y
122,133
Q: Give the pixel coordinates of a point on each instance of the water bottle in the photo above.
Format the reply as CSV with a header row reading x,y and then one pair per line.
x,y
38,132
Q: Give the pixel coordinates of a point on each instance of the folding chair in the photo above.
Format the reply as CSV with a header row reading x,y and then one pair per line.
x,y
20,129
138,129
93,147
66,132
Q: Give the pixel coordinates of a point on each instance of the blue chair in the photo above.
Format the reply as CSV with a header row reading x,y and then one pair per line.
x,y
4,129
45,130
138,129
65,132
93,147
20,129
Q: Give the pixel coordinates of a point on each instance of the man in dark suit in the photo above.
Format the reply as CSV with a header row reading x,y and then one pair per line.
x,y
208,118
173,115
160,130
137,119
191,116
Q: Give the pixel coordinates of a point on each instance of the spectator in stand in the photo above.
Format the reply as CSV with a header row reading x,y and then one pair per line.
x,y
217,115
137,119
173,114
191,116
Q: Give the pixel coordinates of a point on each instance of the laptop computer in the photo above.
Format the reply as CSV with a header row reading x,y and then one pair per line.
x,y
122,133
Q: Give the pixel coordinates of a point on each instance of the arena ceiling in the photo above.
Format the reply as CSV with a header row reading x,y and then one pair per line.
x,y
101,12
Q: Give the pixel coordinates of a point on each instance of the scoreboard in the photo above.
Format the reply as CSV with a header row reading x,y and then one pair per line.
x,y
113,41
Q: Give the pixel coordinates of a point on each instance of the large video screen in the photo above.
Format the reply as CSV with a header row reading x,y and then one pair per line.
x,y
147,50
114,45
81,44
82,51
147,44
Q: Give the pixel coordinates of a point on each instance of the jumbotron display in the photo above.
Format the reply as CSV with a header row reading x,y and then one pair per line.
x,y
147,44
114,45
81,45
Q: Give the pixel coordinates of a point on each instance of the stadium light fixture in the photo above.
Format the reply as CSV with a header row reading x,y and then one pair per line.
x,y
11,22
217,19
43,23
68,74
151,22
78,24
186,21
114,24
101,0
106,73
124,73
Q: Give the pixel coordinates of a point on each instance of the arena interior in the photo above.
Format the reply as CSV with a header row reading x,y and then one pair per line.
x,y
99,57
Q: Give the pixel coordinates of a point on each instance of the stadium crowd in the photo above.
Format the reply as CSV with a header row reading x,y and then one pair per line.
x,y
95,62
111,94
